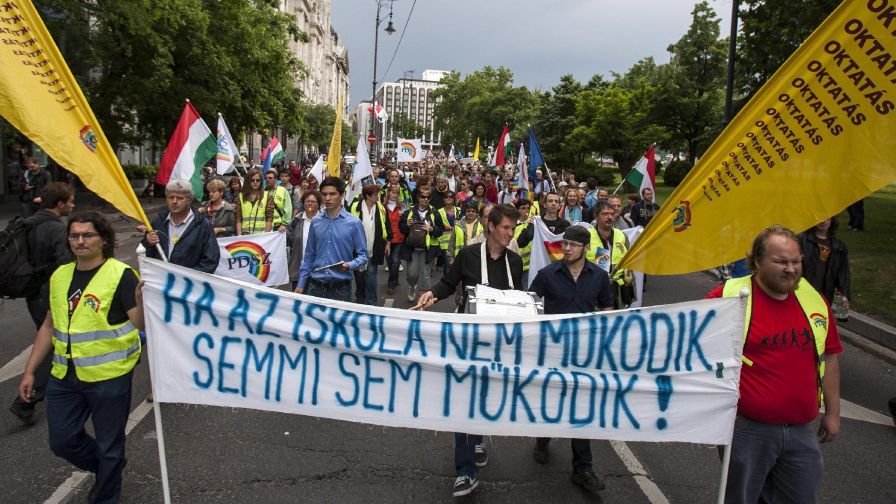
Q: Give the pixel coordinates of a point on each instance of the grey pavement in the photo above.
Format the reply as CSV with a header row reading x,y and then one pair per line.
x,y
238,455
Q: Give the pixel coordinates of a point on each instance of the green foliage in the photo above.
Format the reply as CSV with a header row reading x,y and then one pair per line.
x,y
769,33
145,57
479,105
405,126
691,87
591,167
676,172
556,119
135,172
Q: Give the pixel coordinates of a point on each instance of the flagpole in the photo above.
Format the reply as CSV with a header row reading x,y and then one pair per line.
x,y
550,177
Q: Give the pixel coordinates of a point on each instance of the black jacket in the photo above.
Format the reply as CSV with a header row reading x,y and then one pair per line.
x,y
434,219
47,250
378,254
837,275
197,247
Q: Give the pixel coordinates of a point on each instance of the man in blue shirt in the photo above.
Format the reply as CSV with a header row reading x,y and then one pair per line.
x,y
336,247
573,285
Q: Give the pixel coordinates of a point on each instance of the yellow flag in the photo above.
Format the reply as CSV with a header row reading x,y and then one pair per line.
x,y
334,157
476,151
819,135
40,97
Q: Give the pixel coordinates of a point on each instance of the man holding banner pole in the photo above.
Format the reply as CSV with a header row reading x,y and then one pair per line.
x,y
573,285
492,264
791,368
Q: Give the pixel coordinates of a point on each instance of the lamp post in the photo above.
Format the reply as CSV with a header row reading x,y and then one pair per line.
x,y
390,29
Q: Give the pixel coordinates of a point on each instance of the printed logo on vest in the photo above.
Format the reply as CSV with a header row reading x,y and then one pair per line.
x,y
819,320
92,302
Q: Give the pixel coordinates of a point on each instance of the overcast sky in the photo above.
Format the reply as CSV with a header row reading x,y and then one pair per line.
x,y
539,40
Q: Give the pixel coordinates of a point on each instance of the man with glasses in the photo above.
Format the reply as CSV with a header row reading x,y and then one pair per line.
x,y
573,285
96,309
336,247
421,226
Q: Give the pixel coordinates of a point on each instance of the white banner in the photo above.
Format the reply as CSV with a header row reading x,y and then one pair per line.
x,y
666,373
409,150
259,259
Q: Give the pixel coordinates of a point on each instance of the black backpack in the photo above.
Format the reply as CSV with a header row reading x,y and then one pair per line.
x,y
18,275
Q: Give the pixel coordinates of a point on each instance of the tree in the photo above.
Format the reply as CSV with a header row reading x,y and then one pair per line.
x,y
138,60
690,94
555,120
405,126
770,33
479,105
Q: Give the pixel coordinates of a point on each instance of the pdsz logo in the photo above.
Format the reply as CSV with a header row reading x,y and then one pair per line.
x,y
249,261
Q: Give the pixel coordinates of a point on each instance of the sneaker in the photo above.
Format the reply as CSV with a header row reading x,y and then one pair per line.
x,y
541,453
480,455
587,480
412,293
401,267
464,485
25,413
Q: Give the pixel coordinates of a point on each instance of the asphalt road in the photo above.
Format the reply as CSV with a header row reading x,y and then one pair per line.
x,y
235,455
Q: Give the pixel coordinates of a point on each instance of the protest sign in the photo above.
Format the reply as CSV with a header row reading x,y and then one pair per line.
x,y
259,259
815,138
667,373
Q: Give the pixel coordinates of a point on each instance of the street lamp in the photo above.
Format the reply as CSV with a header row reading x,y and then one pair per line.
x,y
390,29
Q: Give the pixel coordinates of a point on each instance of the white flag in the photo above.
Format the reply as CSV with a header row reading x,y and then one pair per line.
x,y
227,152
410,150
259,259
363,168
318,170
546,248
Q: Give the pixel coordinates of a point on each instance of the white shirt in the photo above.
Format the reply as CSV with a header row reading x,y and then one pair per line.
x,y
175,230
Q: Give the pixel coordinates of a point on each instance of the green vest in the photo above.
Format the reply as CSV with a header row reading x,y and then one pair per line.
x,y
616,255
99,351
253,214
814,308
526,251
355,210
282,206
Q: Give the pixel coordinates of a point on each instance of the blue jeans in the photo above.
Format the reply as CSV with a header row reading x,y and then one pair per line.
x,y
779,463
464,451
394,261
365,285
581,452
107,403
338,292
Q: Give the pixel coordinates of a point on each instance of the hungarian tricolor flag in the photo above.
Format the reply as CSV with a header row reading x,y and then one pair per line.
x,y
191,146
503,149
271,154
643,175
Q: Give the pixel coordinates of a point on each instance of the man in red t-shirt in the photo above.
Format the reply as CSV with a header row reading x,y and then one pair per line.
x,y
774,453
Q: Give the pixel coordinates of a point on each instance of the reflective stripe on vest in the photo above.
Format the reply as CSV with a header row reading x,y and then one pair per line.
x,y
93,335
99,351
814,308
253,214
447,234
355,210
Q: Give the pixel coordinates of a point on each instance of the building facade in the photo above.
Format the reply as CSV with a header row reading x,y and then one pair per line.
x,y
408,97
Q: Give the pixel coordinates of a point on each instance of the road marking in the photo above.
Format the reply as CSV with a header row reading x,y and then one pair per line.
x,y
651,491
863,414
74,481
16,366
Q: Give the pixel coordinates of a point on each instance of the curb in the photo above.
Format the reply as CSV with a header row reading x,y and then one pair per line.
x,y
873,330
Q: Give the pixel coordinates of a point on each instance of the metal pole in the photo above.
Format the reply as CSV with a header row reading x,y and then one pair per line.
x,y
732,46
376,41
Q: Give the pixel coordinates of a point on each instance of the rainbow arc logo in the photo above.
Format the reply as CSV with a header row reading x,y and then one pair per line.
x,y
250,256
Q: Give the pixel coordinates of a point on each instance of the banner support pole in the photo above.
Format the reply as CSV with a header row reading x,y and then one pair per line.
x,y
726,452
156,409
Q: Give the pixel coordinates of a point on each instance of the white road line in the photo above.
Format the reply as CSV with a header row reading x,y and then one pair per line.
x,y
861,413
653,492
74,481
16,366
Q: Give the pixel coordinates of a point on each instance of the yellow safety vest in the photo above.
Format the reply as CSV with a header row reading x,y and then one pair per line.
x,y
477,230
814,308
282,211
253,214
619,250
356,211
534,209
526,251
447,235
99,351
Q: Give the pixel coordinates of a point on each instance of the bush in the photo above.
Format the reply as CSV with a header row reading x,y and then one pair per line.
x,y
136,172
604,175
676,172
